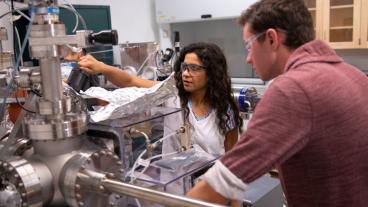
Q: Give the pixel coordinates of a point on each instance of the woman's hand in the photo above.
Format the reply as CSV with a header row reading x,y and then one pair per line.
x,y
92,66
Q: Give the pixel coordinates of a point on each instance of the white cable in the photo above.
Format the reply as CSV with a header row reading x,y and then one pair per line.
x,y
74,49
22,14
131,172
19,44
135,165
138,203
146,166
80,16
101,51
10,85
76,16
9,12
72,9
166,137
145,61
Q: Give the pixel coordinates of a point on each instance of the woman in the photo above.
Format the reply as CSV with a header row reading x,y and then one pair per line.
x,y
204,91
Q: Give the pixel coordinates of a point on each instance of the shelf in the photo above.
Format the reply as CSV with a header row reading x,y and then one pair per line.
x,y
350,6
341,27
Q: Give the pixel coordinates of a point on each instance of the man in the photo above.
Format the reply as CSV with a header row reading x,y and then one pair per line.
x,y
311,124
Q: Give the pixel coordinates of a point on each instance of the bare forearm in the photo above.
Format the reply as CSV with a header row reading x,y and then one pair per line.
x,y
123,79
115,75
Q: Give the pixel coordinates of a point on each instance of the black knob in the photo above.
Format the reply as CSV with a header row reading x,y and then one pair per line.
x,y
104,37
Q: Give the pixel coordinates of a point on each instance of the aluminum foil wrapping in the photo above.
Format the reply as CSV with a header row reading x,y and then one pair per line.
x,y
131,100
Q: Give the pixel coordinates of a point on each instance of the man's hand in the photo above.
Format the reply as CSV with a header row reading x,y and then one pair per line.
x,y
203,191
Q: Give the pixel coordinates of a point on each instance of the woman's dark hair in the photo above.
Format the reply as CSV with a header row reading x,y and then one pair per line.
x,y
291,16
219,94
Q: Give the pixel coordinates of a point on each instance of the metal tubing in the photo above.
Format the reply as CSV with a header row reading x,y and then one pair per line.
x,y
152,195
51,79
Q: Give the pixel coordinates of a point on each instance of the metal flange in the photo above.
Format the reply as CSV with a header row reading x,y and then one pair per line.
x,y
20,185
40,129
97,164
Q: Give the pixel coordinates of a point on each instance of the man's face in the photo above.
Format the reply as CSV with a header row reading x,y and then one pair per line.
x,y
260,54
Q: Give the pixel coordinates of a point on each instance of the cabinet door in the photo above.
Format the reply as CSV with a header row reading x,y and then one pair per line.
x,y
364,23
342,23
315,8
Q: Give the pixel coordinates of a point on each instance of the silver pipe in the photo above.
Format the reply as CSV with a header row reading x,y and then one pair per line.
x,y
51,79
152,195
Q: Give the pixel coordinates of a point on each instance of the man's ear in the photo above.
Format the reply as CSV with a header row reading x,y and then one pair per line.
x,y
272,36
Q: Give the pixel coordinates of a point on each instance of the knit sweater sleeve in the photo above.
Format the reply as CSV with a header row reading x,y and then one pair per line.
x,y
280,127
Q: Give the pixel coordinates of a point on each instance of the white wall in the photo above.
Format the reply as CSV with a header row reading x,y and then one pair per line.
x,y
134,19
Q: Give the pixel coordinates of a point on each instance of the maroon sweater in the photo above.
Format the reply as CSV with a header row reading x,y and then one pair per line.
x,y
312,124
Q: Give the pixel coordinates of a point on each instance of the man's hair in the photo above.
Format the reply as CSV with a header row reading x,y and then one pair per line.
x,y
291,16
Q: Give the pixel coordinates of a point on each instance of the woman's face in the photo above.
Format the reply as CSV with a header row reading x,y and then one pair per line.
x,y
193,74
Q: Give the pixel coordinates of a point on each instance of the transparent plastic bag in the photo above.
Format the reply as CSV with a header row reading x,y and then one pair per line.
x,y
183,160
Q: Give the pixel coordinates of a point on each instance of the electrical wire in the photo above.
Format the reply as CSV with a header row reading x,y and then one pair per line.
x,y
78,16
36,92
3,15
19,44
13,9
7,93
75,12
101,51
21,105
145,61
135,165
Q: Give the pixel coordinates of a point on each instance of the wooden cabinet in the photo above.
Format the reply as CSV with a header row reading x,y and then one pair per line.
x,y
315,8
341,23
364,23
